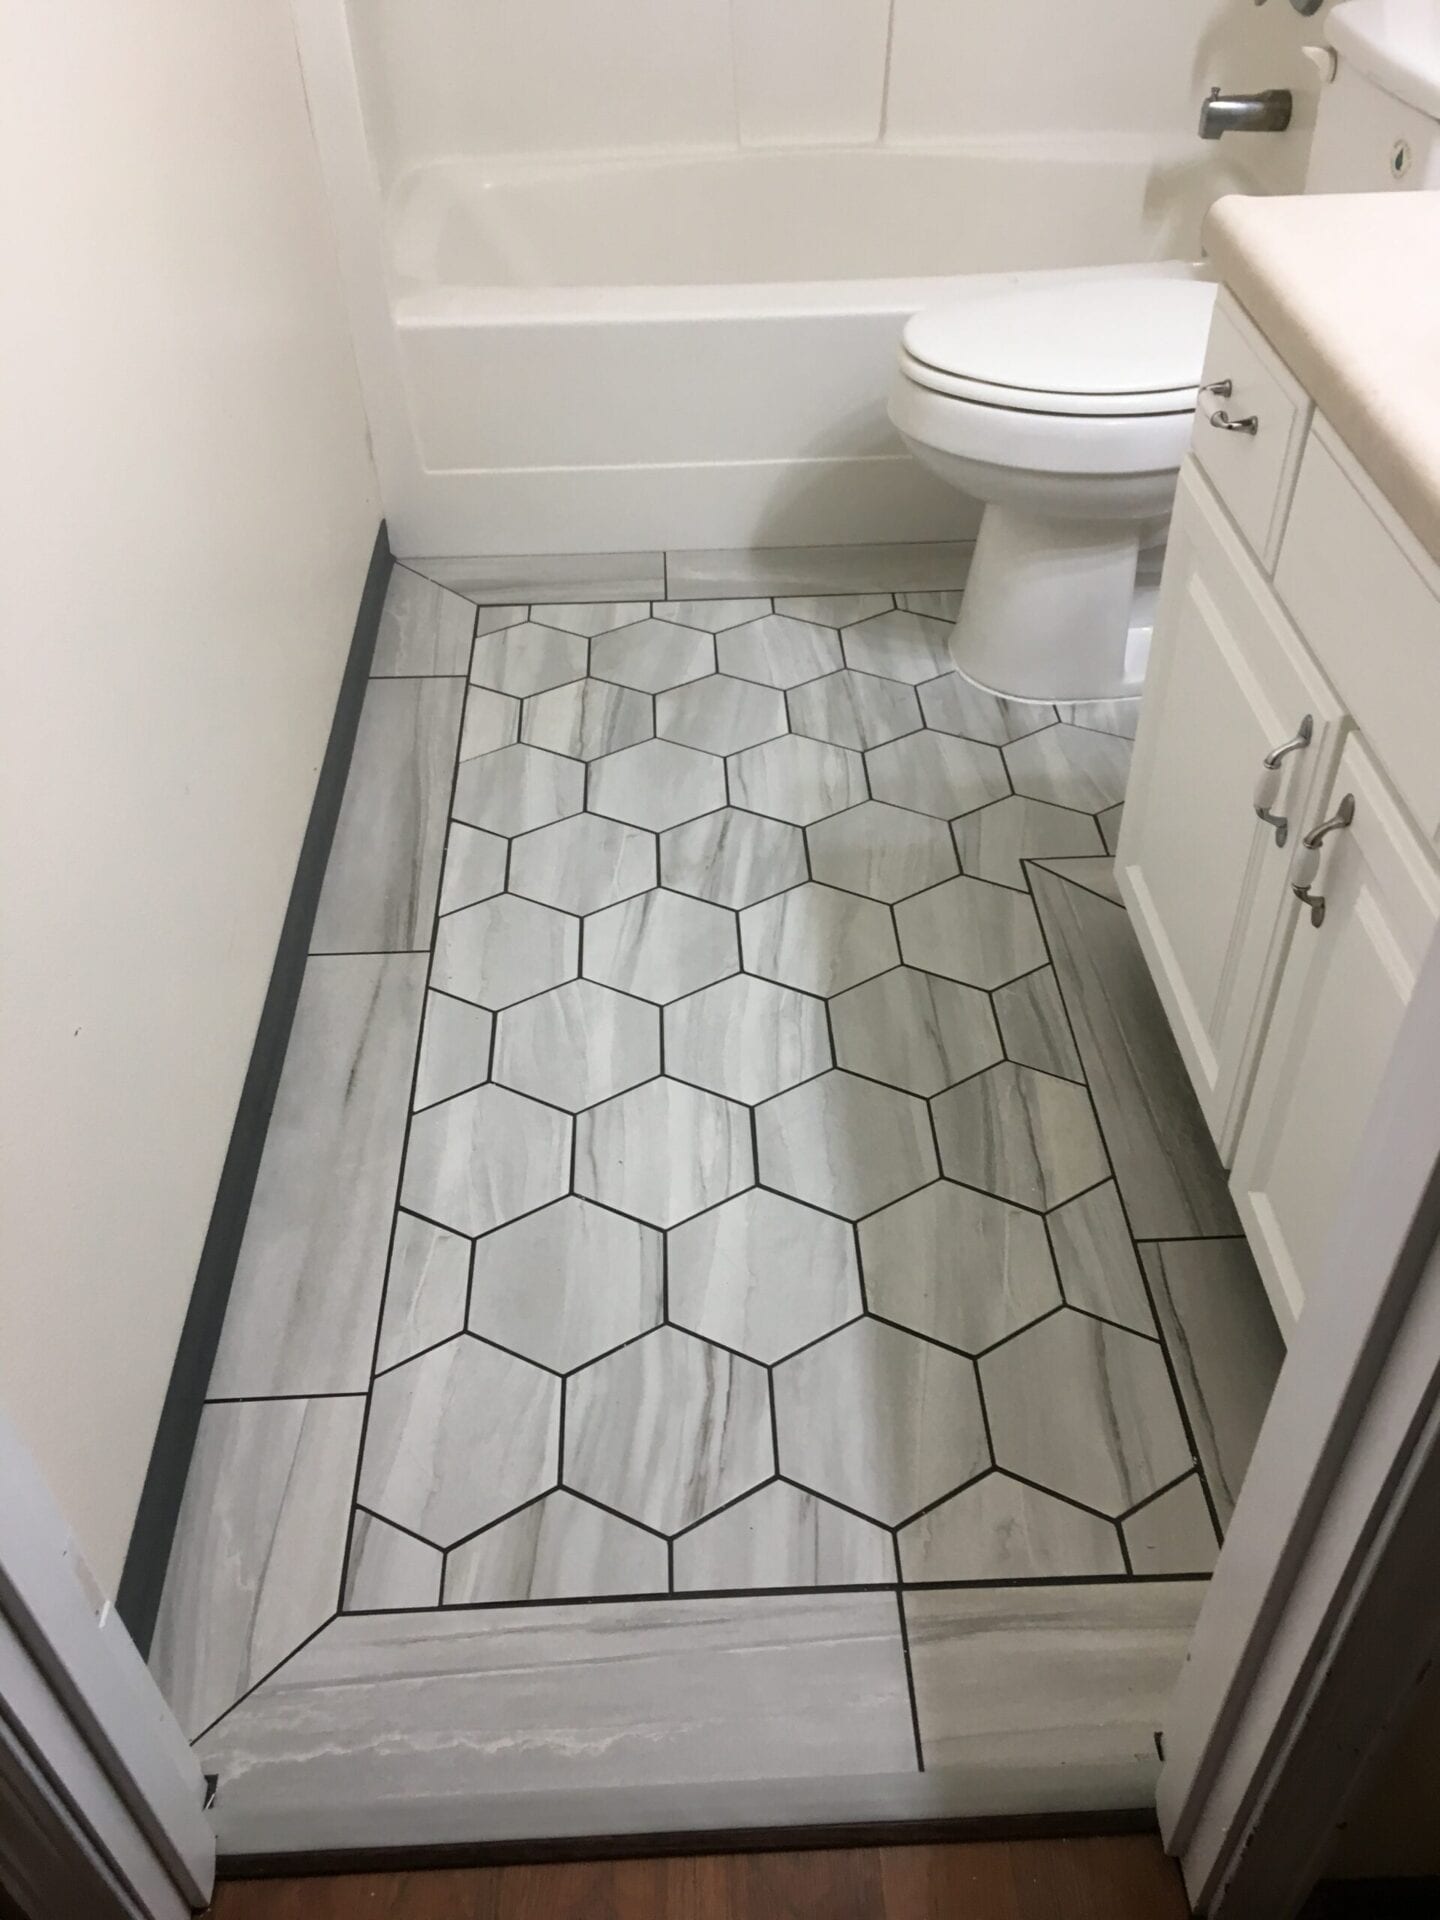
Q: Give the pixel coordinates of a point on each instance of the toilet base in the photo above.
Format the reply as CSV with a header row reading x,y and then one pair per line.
x,y
1051,610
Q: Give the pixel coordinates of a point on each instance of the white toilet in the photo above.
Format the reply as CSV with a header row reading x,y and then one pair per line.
x,y
1064,401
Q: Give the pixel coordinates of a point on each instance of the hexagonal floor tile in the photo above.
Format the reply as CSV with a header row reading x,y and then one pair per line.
x,y
518,788
763,1274
886,852
591,616
1104,716
492,720
566,1284
936,773
953,704
1022,1134
993,841
720,714
663,1152
660,945
746,1038
474,867
971,931
958,1266
652,655
711,616
782,1536
914,1030
854,709
845,1144
922,1433
577,1044
457,1437
482,1158
583,863
1000,1529
779,651
586,718
901,646
1071,767
425,1288
657,785
668,1429
558,1548
504,949
454,1049
797,780
527,659
834,609
1087,1410
817,939
732,858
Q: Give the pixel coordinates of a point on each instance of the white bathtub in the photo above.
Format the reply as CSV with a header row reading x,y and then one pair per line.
x,y
693,351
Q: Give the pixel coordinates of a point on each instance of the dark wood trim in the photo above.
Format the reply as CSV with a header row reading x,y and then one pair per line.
x,y
138,1599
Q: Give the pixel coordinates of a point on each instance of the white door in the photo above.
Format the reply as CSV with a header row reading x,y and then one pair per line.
x,y
1343,991
1205,880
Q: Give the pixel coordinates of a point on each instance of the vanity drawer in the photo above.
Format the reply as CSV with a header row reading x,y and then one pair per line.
x,y
1253,472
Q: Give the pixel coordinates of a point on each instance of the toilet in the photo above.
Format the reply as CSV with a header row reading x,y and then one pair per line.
x,y
1064,402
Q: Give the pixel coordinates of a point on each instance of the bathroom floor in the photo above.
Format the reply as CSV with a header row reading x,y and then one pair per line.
x,y
791,1238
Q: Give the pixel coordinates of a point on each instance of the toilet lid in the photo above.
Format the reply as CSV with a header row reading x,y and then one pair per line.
x,y
1126,344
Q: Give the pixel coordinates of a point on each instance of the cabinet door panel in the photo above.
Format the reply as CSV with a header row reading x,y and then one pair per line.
x,y
1203,878
1344,988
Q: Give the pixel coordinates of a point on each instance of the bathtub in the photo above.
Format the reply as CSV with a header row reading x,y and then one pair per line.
x,y
693,351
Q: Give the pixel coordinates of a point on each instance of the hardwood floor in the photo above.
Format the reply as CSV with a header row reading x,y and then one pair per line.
x,y
1117,1877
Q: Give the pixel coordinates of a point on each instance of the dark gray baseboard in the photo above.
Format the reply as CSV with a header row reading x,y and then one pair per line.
x,y
138,1599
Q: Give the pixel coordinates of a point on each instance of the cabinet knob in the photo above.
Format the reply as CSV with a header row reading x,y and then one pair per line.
x,y
1267,787
1307,861
1222,390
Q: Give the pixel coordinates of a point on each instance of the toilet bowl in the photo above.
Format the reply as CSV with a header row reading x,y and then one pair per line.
x,y
1064,404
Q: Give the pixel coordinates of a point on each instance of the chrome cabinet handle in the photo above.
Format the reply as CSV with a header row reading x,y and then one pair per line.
x,y
1222,390
1307,861
1267,787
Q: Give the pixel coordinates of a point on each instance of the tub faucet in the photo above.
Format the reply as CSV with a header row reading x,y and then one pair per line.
x,y
1267,112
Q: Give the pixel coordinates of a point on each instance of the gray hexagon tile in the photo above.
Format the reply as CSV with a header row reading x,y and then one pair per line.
x,y
492,619
652,655
711,616
834,609
902,646
953,704
1021,1134
763,1274
591,616
660,945
457,1437
657,785
959,1266
936,773
719,714
817,939
502,950
1103,716
491,720
1071,767
454,1049
914,1030
559,1548
425,1289
779,651
971,931
732,858
993,841
668,1429
746,1038
854,709
782,1536
1000,1529
882,851
388,1569
1173,1533
941,603
925,1434
474,867
583,863
587,718
567,1283
527,659
1087,1410
1035,1026
663,1152
845,1144
1108,820
577,1044
482,1158
796,779
1095,1255
517,788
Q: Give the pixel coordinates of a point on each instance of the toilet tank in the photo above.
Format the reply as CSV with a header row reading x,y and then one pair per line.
x,y
1378,120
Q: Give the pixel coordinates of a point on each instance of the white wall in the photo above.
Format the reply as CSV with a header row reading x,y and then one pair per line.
x,y
186,509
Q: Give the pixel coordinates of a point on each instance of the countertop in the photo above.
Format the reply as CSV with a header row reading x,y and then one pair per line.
x,y
1346,287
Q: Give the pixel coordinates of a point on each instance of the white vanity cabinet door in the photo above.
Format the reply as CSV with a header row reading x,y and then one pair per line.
x,y
1345,985
1204,879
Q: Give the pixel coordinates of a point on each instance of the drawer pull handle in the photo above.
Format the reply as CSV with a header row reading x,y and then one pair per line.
x,y
1222,390
1307,861
1267,787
